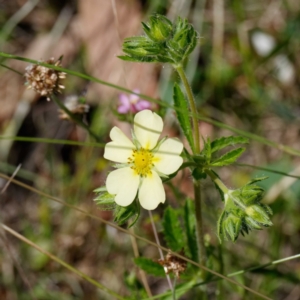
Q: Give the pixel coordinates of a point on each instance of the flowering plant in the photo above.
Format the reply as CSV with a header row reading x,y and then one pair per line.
x,y
141,162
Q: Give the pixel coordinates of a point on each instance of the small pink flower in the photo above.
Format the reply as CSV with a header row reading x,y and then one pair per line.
x,y
132,103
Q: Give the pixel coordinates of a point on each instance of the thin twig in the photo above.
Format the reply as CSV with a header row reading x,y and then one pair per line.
x,y
136,254
11,178
7,244
159,249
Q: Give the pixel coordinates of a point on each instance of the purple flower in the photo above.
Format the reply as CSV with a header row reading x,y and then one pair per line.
x,y
132,103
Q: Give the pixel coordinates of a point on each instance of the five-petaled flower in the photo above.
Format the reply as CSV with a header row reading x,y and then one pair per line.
x,y
132,103
141,162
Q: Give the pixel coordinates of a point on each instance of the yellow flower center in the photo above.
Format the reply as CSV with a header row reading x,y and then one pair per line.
x,y
141,161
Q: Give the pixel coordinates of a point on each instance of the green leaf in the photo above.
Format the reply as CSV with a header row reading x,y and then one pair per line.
x,y
228,158
190,229
123,214
183,114
149,266
257,180
138,59
105,200
100,189
207,150
198,174
220,226
223,142
173,232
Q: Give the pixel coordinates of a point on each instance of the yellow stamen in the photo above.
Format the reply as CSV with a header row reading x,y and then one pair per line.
x,y
141,161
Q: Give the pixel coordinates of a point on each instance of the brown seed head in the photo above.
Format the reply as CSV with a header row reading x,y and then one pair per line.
x,y
173,264
43,80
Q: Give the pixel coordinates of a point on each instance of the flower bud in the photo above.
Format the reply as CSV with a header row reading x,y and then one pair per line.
x,y
232,226
252,224
158,29
258,214
184,40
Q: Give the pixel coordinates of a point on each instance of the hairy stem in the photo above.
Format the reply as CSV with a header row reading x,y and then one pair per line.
x,y
197,187
217,181
199,224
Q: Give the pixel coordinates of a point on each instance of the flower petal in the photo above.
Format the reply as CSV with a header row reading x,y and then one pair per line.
x,y
120,149
151,192
147,128
124,184
134,98
142,104
167,159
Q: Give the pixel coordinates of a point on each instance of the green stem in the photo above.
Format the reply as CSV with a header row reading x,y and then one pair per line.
x,y
199,224
193,108
217,181
174,289
75,118
197,187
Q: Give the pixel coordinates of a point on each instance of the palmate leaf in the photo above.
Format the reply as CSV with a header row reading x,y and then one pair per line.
x,y
149,266
173,232
223,142
228,158
183,114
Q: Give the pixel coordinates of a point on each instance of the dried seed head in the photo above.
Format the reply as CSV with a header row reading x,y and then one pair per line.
x,y
74,106
43,80
173,264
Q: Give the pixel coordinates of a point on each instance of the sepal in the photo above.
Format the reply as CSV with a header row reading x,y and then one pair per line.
x,y
158,29
123,213
243,212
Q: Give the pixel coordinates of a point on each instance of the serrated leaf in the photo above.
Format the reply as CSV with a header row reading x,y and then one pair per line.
x,y
207,150
228,158
220,226
173,232
183,114
223,142
190,229
149,266
254,180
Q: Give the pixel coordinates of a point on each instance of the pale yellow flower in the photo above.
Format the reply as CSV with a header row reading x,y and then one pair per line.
x,y
142,162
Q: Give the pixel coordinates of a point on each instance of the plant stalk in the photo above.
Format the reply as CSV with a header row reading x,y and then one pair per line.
x,y
199,224
197,187
217,181
193,108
